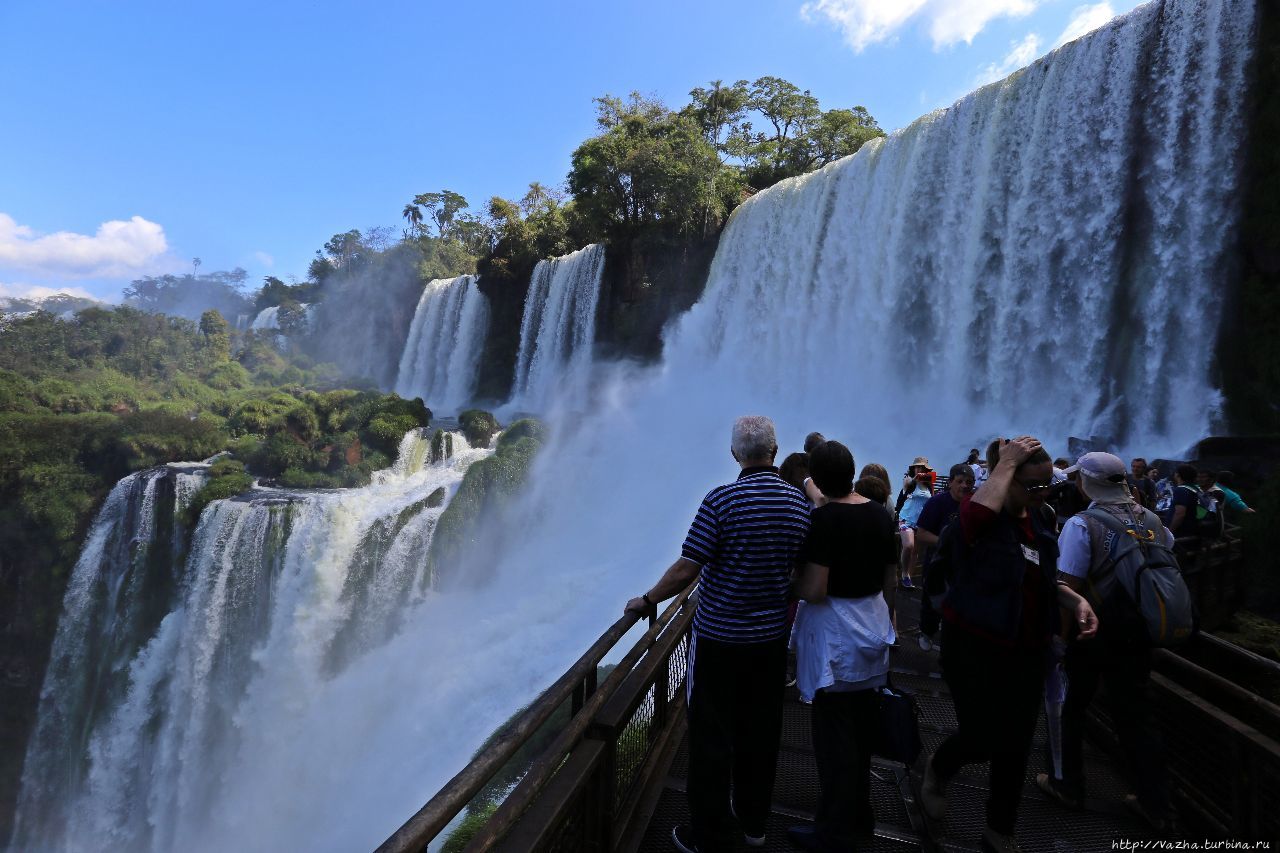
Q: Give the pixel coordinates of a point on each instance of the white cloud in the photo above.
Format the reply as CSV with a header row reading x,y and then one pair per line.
x,y
265,259
1020,55
866,22
119,248
18,290
1085,19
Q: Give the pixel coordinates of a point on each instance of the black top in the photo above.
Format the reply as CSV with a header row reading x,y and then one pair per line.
x,y
855,542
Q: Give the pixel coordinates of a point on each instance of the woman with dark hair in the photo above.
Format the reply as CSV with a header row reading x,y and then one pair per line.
x,y
795,469
842,638
999,615
881,473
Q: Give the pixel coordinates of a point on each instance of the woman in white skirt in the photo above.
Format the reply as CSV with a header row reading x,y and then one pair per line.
x,y
841,638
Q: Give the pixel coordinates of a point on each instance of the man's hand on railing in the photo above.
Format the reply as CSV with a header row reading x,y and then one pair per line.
x,y
680,575
642,606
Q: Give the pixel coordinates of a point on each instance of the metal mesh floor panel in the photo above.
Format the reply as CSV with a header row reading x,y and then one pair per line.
x,y
671,810
1043,827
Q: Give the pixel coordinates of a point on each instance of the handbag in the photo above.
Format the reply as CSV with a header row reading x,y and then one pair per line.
x,y
899,730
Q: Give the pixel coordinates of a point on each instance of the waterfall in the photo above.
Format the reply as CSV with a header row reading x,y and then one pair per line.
x,y
980,272
441,358
140,720
1050,254
558,329
267,319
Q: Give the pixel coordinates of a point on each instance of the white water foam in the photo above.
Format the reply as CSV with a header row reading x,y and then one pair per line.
x,y
557,331
441,358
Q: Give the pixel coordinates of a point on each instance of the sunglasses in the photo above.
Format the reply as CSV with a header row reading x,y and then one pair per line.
x,y
1036,488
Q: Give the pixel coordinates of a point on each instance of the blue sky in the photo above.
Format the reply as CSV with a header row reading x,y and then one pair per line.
x,y
138,135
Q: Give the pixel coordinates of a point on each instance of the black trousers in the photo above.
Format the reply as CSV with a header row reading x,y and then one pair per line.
x,y
1125,670
842,727
735,722
997,694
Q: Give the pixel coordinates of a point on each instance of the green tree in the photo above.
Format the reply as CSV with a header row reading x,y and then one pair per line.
x,y
645,172
443,208
840,133
792,114
346,250
719,110
217,335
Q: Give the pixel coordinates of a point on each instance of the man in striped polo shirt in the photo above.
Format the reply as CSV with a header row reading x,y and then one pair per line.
x,y
741,547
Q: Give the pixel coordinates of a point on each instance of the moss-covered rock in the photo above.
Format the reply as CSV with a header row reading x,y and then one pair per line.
x,y
441,446
478,427
523,428
227,478
486,488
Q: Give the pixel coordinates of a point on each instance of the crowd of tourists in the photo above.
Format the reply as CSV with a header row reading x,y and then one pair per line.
x,y
1025,567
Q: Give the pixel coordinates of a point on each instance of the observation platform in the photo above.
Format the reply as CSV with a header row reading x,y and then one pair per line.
x,y
1043,825
602,755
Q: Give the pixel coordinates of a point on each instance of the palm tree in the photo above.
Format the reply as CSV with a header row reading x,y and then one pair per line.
x,y
413,215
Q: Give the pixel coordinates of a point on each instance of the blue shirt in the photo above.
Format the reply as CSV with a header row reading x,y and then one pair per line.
x,y
746,536
911,510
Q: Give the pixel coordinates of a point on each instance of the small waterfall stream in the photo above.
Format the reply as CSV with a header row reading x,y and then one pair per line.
x,y
557,332
441,359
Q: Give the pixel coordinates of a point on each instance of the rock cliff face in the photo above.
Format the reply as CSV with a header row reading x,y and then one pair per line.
x,y
1249,343
646,285
24,650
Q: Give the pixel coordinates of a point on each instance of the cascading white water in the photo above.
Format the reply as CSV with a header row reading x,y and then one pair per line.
x,y
282,591
558,329
975,273
441,357
267,319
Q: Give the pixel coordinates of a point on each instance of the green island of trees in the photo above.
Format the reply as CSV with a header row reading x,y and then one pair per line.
x,y
83,403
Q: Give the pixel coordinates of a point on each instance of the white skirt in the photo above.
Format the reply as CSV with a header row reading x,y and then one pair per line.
x,y
840,642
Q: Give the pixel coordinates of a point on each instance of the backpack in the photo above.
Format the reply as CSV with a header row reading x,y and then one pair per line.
x,y
1209,521
1140,578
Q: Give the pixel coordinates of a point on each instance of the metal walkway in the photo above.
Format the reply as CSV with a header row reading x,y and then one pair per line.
x,y
900,826
602,763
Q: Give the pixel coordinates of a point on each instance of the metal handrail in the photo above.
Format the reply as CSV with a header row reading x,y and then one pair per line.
x,y
450,800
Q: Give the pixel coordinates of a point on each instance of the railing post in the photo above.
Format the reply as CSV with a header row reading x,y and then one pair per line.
x,y
661,692
579,698
608,789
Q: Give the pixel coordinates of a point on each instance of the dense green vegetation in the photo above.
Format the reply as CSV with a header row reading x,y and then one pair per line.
x,y
487,486
85,401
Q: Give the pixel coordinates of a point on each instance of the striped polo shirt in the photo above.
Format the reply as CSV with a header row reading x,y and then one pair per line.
x,y
746,536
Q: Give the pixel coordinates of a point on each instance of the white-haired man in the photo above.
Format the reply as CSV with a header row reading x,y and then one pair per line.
x,y
741,547
1120,654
